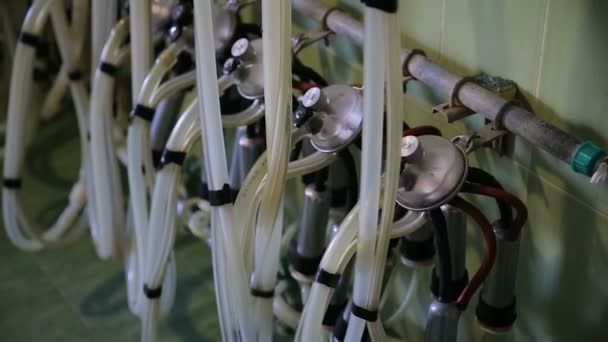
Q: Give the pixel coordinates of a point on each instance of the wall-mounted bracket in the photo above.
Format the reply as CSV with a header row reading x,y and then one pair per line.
x,y
305,39
454,110
485,136
407,75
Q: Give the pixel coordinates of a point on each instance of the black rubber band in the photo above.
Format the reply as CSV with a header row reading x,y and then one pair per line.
x,y
326,278
389,6
75,75
29,39
220,197
108,69
262,293
12,183
332,314
143,112
172,157
152,293
363,313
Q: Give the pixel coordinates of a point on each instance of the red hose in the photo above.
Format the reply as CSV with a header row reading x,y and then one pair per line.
x,y
488,257
303,86
514,231
422,130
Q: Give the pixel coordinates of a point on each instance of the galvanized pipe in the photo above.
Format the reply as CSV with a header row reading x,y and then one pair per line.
x,y
515,119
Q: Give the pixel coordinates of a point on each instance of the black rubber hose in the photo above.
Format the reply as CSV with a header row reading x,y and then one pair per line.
x,y
353,179
246,29
306,73
442,246
480,176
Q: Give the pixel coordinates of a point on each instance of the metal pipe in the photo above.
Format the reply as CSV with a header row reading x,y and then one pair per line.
x,y
515,119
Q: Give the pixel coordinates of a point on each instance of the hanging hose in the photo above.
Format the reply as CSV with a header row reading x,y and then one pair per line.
x,y
160,236
52,101
229,268
336,257
488,257
276,25
371,154
108,203
479,176
503,197
382,42
19,230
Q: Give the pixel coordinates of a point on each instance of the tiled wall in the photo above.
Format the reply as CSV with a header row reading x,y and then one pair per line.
x,y
556,50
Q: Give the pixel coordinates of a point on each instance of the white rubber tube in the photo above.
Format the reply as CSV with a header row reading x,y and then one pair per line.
x,y
394,118
109,202
339,252
140,168
276,25
161,233
141,43
250,194
19,230
78,28
236,319
371,161
103,18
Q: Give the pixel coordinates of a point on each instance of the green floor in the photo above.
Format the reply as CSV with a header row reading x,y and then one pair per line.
x,y
68,294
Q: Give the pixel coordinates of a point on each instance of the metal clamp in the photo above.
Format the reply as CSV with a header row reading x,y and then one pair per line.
x,y
405,68
305,39
454,110
498,144
484,136
323,20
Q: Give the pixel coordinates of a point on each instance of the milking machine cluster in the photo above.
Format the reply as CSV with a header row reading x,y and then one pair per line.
x,y
377,196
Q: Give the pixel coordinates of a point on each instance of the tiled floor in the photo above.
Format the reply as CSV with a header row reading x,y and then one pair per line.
x,y
68,294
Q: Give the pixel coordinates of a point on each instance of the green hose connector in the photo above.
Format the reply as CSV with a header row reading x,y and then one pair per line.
x,y
585,157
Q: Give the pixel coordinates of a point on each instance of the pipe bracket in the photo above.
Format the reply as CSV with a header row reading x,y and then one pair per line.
x,y
305,39
485,136
407,75
454,110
